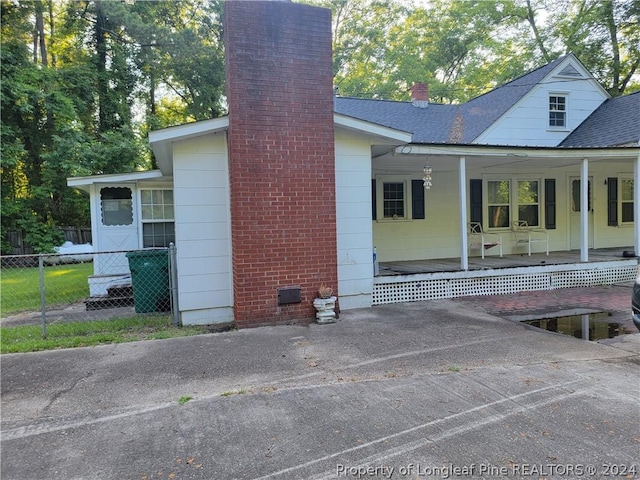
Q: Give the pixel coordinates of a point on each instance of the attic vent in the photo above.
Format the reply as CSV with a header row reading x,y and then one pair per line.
x,y
570,71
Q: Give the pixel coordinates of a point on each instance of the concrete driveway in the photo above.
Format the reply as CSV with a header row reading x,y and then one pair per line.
x,y
416,391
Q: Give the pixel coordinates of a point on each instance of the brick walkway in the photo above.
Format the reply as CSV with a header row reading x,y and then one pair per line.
x,y
615,299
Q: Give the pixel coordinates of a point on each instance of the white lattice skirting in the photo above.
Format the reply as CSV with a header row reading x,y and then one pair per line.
x,y
433,286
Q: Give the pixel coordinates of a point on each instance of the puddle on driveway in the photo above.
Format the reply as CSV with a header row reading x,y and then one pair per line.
x,y
592,326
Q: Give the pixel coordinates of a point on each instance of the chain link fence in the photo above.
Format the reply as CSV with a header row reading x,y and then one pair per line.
x,y
75,287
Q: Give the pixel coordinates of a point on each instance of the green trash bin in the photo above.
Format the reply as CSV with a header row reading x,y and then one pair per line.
x,y
150,280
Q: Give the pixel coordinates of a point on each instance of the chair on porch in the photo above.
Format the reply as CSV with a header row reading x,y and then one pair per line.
x,y
483,240
525,235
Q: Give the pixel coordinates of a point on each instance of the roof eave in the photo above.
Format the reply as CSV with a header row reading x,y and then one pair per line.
x,y
379,132
84,183
627,151
161,141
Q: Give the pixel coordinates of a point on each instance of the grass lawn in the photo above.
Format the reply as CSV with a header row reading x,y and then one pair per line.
x,y
63,284
28,338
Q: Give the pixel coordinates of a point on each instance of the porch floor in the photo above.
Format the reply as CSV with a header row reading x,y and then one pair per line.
x,y
412,267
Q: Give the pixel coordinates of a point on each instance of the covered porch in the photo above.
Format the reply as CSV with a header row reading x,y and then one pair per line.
x,y
417,280
490,262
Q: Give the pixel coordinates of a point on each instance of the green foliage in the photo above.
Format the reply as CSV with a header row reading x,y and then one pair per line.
x,y
42,237
463,48
77,108
28,338
106,72
605,36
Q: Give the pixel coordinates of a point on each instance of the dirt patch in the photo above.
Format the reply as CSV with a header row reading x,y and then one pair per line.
x,y
76,312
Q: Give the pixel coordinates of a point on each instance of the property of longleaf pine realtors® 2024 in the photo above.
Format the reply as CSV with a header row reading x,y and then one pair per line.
x,y
461,471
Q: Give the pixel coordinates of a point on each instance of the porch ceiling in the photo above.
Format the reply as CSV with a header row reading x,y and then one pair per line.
x,y
445,158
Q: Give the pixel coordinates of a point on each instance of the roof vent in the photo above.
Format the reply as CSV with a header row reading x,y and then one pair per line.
x,y
570,71
420,95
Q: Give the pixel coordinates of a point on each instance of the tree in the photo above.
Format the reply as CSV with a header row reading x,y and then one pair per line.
x,y
76,77
465,48
605,36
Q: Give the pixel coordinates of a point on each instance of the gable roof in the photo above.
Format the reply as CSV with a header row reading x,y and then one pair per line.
x,y
483,111
438,123
614,123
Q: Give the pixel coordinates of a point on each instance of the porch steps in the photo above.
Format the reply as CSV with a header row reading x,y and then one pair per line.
x,y
118,296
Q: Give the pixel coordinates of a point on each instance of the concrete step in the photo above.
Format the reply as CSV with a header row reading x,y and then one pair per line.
x,y
120,291
101,303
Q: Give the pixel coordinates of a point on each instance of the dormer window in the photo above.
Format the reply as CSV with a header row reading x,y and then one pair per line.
x,y
557,111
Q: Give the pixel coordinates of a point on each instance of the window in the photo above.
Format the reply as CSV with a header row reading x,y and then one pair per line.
x,y
393,199
116,205
528,202
157,218
557,111
626,199
396,197
498,195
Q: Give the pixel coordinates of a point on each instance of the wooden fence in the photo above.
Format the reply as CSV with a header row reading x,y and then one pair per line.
x,y
77,235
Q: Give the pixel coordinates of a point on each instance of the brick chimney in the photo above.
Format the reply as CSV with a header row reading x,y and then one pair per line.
x,y
281,159
420,95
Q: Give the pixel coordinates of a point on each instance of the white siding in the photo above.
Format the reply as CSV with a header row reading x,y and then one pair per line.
x,y
353,206
526,124
203,232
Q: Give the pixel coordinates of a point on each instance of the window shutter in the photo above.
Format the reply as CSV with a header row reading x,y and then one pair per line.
x,y
475,196
550,204
374,206
417,200
612,201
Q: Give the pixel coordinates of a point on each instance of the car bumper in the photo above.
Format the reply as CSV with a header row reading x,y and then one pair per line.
x,y
636,319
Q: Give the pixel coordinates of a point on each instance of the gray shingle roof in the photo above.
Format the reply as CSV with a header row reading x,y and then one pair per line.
x,y
428,125
614,123
439,123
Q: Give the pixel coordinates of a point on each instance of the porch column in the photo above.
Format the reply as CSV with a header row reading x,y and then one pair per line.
x,y
464,254
636,205
584,214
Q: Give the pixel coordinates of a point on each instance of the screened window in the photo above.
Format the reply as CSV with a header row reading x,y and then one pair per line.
x,y
116,205
626,199
528,202
158,229
393,200
557,111
498,194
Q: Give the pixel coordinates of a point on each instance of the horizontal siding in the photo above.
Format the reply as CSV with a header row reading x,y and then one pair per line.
x,y
201,192
527,122
354,231
207,316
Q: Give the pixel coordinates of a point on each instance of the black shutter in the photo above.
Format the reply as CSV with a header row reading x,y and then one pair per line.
x,y
612,201
550,203
417,200
475,197
374,205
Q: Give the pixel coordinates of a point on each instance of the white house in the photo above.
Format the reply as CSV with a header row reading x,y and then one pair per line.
x,y
550,148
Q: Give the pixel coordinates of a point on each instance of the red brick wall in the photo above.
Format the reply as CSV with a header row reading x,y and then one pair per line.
x,y
281,157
